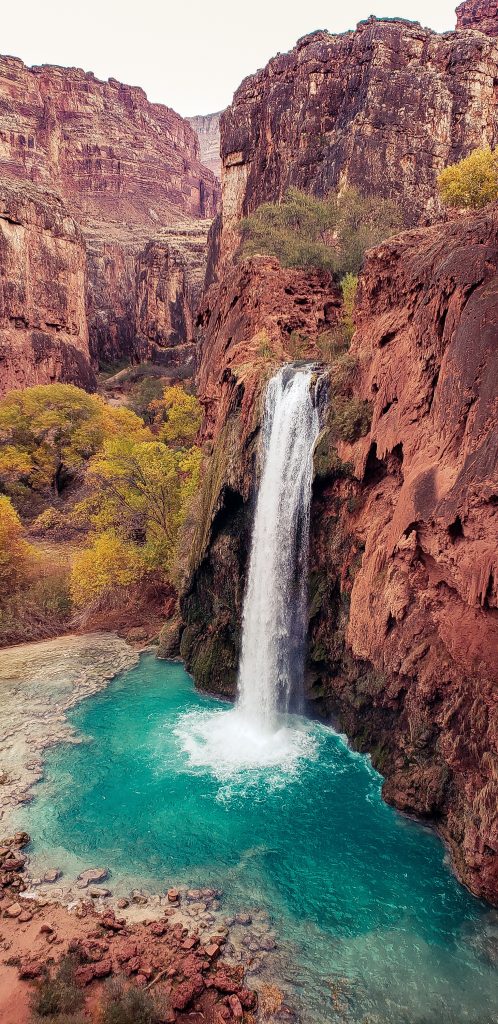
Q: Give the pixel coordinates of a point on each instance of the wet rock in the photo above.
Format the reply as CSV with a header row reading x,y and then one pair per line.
x,y
21,839
173,895
123,903
97,892
243,918
52,875
93,876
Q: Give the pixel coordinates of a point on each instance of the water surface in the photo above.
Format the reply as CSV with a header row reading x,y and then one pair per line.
x,y
373,926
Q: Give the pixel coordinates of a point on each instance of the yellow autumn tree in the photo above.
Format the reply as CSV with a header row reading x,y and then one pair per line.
x,y
472,182
49,432
16,555
107,564
177,416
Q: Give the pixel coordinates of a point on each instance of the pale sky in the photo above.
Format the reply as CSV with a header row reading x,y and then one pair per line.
x,y
189,54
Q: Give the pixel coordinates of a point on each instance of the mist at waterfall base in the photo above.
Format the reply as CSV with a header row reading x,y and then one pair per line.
x,y
175,787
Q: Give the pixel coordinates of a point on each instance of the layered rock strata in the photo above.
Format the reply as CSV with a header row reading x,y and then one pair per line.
x,y
43,324
403,582
129,174
207,127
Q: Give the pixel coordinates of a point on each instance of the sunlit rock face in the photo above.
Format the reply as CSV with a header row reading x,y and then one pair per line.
x,y
207,127
384,107
43,325
130,175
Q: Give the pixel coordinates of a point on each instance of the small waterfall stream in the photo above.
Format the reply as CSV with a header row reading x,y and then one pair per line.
x,y
274,619
257,733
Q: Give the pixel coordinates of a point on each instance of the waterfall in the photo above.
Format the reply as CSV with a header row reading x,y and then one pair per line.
x,y
257,734
274,618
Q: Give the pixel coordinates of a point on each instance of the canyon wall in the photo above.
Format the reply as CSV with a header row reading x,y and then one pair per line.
x,y
129,174
383,108
403,575
207,127
43,325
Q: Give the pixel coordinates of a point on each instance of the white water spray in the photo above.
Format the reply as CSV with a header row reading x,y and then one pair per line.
x,y
256,733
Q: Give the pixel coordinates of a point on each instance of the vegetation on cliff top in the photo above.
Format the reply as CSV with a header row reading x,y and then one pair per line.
x,y
109,489
331,234
472,182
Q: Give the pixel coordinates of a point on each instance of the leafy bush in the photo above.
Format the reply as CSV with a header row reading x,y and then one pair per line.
x,y
349,286
331,233
130,1005
472,182
58,994
50,522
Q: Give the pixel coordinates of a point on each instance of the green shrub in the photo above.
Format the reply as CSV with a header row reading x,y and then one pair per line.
x,y
130,1005
472,182
330,234
58,994
350,419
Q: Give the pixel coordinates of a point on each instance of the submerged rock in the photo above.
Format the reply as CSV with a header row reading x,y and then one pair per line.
x,y
91,875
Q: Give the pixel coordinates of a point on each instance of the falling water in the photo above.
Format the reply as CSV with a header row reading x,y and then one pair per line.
x,y
257,734
274,620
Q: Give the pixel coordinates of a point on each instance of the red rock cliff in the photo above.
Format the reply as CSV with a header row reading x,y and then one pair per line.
x,y
481,15
43,325
130,175
109,152
385,108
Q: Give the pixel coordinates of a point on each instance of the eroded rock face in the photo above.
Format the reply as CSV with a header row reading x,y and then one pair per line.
x,y
403,574
406,539
384,108
43,326
207,127
130,175
481,15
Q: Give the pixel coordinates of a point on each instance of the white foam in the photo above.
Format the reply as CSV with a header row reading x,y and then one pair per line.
x,y
229,744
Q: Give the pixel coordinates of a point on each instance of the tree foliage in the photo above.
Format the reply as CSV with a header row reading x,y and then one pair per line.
x,y
49,432
134,484
331,233
16,555
177,416
472,182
